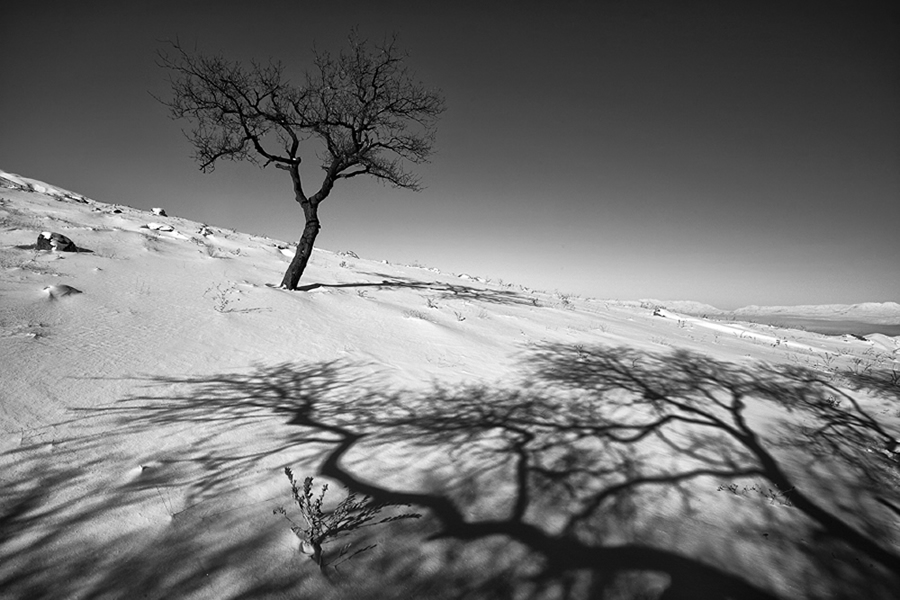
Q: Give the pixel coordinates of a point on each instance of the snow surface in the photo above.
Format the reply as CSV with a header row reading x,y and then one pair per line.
x,y
147,419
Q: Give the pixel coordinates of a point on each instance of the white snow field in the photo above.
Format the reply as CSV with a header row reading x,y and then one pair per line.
x,y
555,446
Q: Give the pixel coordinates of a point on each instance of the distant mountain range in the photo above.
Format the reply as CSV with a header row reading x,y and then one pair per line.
x,y
887,313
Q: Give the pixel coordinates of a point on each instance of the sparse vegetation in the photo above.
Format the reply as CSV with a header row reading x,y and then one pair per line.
x,y
894,377
860,366
565,300
142,287
415,314
222,296
772,495
321,527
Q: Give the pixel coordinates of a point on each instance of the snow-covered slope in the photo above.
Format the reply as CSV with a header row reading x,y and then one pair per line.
x,y
17,182
155,384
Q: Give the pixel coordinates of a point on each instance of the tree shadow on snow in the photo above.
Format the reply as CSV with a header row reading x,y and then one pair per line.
x,y
610,473
183,522
444,291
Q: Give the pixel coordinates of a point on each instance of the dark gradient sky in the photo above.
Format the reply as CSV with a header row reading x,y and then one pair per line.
x,y
730,153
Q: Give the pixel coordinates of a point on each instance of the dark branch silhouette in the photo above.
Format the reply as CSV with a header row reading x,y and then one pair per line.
x,y
361,112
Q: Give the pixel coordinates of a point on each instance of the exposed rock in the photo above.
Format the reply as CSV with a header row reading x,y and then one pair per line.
x,y
159,227
159,212
55,241
60,291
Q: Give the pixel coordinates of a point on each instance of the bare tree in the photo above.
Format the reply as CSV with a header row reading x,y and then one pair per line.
x,y
360,113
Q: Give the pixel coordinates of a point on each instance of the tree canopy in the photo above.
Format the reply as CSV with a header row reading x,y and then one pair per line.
x,y
360,112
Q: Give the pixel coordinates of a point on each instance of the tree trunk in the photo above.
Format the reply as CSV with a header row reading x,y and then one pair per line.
x,y
304,247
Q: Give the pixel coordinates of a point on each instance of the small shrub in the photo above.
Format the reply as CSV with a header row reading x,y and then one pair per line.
x,y
832,401
222,297
860,366
321,527
774,496
565,300
415,314
143,288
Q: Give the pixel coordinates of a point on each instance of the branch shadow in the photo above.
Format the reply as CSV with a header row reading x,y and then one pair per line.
x,y
611,469
88,516
606,473
808,448
74,250
444,290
